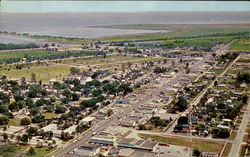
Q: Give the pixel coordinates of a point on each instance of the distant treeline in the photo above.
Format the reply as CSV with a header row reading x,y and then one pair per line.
x,y
17,46
62,55
40,36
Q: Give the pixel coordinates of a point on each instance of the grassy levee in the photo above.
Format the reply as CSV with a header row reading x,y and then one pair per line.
x,y
176,31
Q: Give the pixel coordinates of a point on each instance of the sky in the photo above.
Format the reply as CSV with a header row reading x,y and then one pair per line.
x,y
121,6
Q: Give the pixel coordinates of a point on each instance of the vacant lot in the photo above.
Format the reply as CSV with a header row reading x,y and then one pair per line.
x,y
202,145
10,150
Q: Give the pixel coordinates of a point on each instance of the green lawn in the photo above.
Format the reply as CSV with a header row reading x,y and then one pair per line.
x,y
41,152
233,135
217,71
14,122
227,150
11,150
50,115
246,60
242,150
202,145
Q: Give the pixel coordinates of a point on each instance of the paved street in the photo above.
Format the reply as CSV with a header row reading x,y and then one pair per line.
x,y
150,95
239,138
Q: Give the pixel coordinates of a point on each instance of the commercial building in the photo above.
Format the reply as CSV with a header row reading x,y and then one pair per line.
x,y
87,150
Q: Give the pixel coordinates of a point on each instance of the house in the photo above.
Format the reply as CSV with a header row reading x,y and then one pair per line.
x,y
243,85
221,85
53,128
87,121
223,127
57,132
87,150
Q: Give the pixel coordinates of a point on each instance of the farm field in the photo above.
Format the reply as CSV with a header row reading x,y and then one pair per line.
x,y
241,45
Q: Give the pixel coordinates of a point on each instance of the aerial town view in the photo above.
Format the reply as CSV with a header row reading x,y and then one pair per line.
x,y
124,78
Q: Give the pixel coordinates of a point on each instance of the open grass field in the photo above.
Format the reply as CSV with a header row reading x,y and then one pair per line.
x,y
244,60
232,135
243,149
11,150
14,122
44,73
59,70
41,152
227,150
50,115
202,145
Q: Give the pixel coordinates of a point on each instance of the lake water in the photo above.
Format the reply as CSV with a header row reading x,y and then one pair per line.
x,y
79,24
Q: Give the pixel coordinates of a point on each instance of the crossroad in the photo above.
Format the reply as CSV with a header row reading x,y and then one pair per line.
x,y
150,95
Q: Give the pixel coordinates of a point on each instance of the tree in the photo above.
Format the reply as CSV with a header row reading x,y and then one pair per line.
x,y
160,70
109,112
244,99
75,71
31,151
3,109
38,118
75,96
32,131
33,77
223,133
25,121
157,121
65,136
142,127
187,70
5,137
181,104
5,98
183,120
4,120
196,152
81,128
214,54
25,138
60,109
215,83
